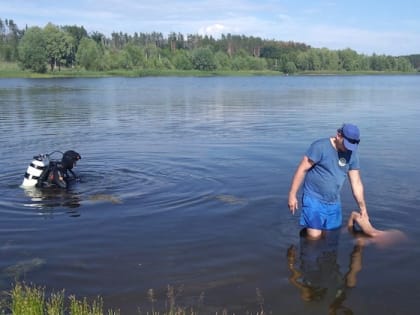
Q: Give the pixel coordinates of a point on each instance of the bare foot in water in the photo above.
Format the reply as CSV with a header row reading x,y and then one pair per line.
x,y
378,237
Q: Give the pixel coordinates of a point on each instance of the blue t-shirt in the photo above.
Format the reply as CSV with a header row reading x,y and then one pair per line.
x,y
325,179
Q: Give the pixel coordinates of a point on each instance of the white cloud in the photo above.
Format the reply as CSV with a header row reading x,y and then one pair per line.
x,y
214,30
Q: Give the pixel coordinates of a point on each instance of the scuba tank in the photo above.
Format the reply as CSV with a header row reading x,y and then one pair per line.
x,y
36,170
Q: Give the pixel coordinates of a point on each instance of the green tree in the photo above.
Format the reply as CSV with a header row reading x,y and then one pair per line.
x,y
329,59
76,33
89,55
63,45
403,64
109,60
364,62
302,61
382,63
290,67
176,41
159,62
2,40
99,38
314,60
130,57
239,63
10,36
155,57
32,53
151,51
348,59
59,45
123,60
203,59
223,61
254,63
271,51
182,60
414,61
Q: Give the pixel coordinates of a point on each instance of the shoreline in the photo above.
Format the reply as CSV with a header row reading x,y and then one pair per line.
x,y
11,70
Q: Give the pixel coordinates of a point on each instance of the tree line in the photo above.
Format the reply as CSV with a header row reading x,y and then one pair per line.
x,y
51,47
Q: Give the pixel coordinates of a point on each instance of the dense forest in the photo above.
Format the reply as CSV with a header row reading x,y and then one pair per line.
x,y
49,48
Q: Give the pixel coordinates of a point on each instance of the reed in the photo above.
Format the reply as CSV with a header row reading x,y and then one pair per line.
x,y
27,299
83,307
55,303
24,299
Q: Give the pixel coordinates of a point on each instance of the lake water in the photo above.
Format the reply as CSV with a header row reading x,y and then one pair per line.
x,y
184,183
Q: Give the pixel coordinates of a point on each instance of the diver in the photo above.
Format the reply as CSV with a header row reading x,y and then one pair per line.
x,y
44,171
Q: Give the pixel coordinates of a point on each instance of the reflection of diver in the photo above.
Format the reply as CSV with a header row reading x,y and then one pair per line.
x,y
44,171
319,277
44,199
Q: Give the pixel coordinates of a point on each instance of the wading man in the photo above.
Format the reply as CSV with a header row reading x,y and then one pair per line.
x,y
323,170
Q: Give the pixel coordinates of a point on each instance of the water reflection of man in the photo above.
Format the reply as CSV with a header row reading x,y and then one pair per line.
x,y
319,278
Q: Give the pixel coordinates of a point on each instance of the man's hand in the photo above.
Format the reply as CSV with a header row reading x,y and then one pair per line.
x,y
293,204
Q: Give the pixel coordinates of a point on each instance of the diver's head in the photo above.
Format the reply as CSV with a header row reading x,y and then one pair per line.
x,y
69,159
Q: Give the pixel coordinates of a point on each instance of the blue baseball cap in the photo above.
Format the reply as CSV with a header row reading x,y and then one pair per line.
x,y
351,135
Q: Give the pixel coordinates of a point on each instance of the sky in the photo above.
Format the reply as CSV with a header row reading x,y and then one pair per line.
x,y
366,26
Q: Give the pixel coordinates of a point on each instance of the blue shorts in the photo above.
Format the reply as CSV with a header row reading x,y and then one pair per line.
x,y
320,215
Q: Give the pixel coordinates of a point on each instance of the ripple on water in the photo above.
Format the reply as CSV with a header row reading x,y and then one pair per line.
x,y
156,183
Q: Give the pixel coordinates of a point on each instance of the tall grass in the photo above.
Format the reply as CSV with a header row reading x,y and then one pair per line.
x,y
55,304
24,299
10,69
30,300
82,307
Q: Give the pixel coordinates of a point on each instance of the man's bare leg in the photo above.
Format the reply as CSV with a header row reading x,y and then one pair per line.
x,y
313,234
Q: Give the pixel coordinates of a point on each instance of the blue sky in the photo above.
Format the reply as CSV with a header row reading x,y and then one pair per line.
x,y
381,27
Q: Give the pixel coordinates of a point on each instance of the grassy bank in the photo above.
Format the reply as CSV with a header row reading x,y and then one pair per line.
x,y
12,70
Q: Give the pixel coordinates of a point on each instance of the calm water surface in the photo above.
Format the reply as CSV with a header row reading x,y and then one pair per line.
x,y
184,183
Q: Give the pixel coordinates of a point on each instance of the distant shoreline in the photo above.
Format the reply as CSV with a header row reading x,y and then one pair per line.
x,y
11,70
